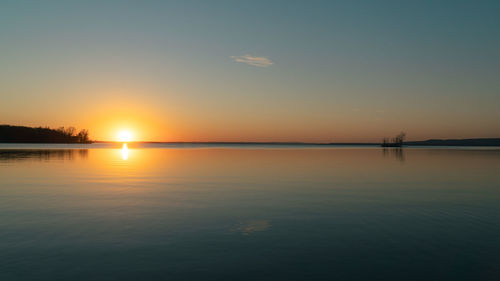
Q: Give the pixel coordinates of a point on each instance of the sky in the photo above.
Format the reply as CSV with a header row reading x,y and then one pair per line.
x,y
310,71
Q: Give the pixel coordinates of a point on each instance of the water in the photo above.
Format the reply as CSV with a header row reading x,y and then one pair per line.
x,y
236,212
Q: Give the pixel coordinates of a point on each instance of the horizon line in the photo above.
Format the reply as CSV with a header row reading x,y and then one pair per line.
x,y
293,142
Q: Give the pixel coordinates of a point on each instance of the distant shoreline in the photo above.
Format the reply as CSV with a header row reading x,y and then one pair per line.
x,y
456,142
39,135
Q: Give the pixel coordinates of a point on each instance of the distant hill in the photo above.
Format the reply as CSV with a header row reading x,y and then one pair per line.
x,y
457,142
21,134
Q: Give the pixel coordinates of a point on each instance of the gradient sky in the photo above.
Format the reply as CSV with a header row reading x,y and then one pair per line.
x,y
318,71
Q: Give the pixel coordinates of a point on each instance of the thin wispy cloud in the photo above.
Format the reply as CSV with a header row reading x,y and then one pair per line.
x,y
251,60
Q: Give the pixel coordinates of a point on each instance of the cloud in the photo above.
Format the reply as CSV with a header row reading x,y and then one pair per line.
x,y
251,60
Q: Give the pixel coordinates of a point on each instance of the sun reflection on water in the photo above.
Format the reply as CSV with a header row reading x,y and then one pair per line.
x,y
124,151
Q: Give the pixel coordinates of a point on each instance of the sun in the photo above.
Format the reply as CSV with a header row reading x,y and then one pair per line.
x,y
124,136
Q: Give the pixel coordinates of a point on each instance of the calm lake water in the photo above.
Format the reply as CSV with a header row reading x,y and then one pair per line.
x,y
235,212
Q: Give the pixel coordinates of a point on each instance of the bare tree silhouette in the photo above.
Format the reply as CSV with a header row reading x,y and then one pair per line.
x,y
396,141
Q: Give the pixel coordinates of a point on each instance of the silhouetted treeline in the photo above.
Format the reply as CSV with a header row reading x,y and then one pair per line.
x,y
21,134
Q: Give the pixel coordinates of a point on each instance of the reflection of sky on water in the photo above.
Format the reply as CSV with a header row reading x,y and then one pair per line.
x,y
287,212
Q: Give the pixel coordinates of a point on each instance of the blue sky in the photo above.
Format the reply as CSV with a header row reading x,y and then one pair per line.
x,y
254,70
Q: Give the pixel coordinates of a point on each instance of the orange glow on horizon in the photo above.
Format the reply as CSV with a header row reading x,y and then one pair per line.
x,y
126,121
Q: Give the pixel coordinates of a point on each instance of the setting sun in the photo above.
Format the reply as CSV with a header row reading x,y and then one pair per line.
x,y
124,136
